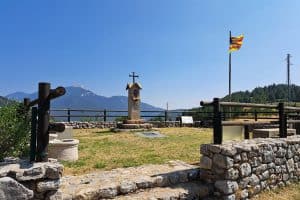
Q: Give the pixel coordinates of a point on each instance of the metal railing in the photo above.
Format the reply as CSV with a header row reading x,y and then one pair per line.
x,y
282,112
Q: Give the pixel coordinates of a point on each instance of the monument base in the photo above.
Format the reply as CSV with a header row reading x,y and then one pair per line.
x,y
133,125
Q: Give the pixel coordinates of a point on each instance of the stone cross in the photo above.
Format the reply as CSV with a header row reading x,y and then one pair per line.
x,y
133,77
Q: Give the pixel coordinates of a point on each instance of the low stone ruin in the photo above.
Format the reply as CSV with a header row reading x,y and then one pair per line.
x,y
240,170
20,179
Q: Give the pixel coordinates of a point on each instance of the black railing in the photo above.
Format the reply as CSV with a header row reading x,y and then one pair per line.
x,y
163,115
282,112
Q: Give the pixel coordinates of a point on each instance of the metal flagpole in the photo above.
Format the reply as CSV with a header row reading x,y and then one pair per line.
x,y
229,87
229,67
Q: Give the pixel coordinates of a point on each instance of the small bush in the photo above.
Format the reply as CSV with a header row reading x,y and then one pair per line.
x,y
14,131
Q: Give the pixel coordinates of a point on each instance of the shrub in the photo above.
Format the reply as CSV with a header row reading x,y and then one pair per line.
x,y
14,131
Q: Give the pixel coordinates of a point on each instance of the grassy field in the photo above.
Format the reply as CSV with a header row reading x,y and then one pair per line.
x,y
102,149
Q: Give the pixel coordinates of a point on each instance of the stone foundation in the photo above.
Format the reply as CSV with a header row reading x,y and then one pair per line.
x,y
20,179
240,170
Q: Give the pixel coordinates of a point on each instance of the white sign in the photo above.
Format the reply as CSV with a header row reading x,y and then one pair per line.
x,y
187,119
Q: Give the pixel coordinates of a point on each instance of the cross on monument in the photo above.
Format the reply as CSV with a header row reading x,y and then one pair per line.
x,y
133,76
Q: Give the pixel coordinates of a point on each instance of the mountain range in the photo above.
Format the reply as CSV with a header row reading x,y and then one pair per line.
x,y
80,98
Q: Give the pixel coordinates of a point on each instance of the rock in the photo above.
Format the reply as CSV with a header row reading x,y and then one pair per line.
x,y
253,180
54,195
285,177
144,182
54,170
32,173
127,187
290,165
10,189
108,192
205,162
48,185
229,151
229,197
231,174
226,187
237,158
244,194
222,161
244,156
215,148
245,169
267,156
265,175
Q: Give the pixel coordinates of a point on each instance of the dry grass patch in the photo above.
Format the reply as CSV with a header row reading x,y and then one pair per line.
x,y
102,149
291,192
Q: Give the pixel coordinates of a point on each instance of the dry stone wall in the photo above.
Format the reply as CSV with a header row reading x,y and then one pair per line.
x,y
101,124
240,170
20,179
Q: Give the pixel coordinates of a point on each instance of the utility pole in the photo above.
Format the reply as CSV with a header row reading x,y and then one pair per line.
x,y
288,77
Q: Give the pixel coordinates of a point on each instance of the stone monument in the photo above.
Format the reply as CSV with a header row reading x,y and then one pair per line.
x,y
134,120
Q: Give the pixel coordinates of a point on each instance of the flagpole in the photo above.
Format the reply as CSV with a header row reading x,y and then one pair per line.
x,y
229,86
229,67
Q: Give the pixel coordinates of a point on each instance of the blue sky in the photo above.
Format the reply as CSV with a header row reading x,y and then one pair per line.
x,y
178,47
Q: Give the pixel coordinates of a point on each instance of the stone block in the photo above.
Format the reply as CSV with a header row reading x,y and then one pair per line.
x,y
11,189
48,185
226,187
245,169
231,174
205,162
222,161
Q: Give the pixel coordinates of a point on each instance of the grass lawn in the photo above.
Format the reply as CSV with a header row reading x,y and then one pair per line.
x,y
102,149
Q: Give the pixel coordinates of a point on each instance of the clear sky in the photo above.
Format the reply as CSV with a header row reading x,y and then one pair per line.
x,y
178,47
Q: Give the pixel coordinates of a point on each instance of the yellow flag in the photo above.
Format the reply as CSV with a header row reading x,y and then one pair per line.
x,y
236,43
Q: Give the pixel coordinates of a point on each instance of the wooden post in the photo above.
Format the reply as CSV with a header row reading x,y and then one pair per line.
x,y
255,115
43,122
246,132
34,113
104,115
282,121
217,122
69,114
26,103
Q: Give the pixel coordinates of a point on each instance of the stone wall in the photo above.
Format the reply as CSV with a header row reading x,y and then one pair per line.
x,y
87,125
101,124
240,170
20,179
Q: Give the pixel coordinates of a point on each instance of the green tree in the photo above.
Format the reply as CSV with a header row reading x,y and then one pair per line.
x,y
14,131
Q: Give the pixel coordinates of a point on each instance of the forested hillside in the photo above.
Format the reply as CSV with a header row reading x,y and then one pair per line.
x,y
267,94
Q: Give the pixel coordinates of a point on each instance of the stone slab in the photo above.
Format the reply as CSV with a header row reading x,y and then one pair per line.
x,y
150,134
109,184
191,190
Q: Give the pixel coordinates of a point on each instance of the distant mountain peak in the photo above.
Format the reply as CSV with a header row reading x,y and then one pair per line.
x,y
77,97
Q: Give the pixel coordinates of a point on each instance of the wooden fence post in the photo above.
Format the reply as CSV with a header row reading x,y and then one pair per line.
x,y
43,122
217,121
